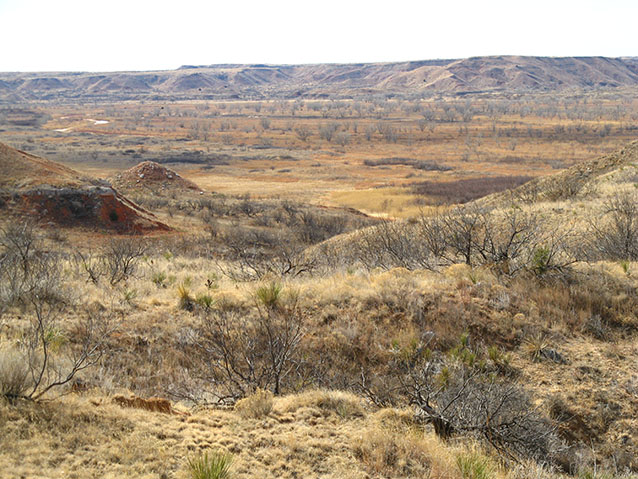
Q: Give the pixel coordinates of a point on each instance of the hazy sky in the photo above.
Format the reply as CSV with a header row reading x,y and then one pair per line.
x,y
41,35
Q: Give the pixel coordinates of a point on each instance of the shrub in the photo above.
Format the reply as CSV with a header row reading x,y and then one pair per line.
x,y
121,258
269,295
14,374
205,301
255,406
186,301
159,279
216,465
474,465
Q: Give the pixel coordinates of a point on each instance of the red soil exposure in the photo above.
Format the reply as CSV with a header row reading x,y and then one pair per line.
x,y
153,176
51,193
99,207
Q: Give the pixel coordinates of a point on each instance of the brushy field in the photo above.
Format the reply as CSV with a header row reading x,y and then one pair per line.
x,y
279,334
320,151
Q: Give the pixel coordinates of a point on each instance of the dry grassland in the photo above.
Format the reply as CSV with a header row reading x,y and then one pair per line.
x,y
317,150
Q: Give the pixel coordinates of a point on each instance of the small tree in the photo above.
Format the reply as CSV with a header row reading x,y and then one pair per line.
x,y
303,133
460,396
48,354
121,258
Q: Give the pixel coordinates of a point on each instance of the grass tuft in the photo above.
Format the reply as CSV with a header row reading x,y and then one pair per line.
x,y
269,295
216,465
474,465
186,301
255,406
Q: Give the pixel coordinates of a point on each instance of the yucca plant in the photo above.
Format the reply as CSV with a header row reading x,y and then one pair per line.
x,y
474,465
205,301
185,298
269,294
213,465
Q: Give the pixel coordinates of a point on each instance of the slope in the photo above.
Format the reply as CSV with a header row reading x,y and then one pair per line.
x,y
37,188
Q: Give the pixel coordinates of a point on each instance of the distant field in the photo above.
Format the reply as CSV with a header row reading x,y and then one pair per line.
x,y
335,152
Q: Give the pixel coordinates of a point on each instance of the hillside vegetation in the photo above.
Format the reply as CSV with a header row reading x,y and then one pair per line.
x,y
492,339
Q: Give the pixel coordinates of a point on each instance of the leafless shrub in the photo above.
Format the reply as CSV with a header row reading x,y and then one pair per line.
x,y
122,257
92,264
389,245
53,362
327,131
460,397
20,241
26,270
50,355
303,133
508,241
255,253
246,352
614,235
343,138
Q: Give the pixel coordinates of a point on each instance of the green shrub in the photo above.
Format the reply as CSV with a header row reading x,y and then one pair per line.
x,y
205,301
215,465
269,295
474,465
159,279
541,260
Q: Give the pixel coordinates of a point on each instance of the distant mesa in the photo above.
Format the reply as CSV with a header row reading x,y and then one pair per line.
x,y
49,192
260,81
152,176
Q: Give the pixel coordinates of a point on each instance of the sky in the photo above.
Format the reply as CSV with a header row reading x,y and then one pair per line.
x,y
123,35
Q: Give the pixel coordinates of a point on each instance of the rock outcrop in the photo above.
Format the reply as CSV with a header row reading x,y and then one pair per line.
x,y
48,192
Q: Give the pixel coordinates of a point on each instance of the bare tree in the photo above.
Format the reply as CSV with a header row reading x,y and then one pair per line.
x,y
614,235
327,131
460,396
245,352
51,363
303,132
48,355
122,256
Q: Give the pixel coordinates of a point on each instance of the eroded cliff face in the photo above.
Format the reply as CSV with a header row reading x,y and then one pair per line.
x,y
50,193
92,206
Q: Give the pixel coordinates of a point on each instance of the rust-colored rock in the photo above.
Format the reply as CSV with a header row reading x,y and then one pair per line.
x,y
151,404
37,188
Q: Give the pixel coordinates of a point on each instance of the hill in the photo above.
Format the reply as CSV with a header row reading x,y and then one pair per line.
x,y
493,340
51,192
569,203
460,76
580,180
152,177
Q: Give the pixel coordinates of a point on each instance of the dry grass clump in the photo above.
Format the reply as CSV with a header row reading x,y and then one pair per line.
x,y
343,404
255,406
14,374
392,454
